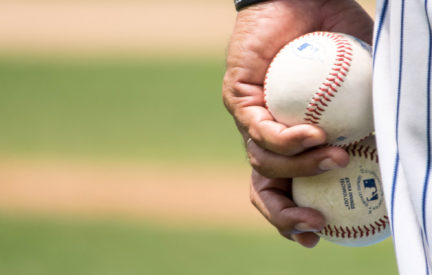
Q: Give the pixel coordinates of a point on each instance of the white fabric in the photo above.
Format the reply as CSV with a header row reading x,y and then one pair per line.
x,y
402,122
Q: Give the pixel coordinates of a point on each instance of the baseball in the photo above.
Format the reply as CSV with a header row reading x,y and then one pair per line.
x,y
351,199
325,79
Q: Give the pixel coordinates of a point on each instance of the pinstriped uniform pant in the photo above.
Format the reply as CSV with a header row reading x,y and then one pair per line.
x,y
403,123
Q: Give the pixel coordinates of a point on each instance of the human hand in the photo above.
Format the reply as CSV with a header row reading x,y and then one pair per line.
x,y
261,30
272,197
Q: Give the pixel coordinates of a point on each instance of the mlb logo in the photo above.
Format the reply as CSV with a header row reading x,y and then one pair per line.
x,y
371,189
308,49
341,138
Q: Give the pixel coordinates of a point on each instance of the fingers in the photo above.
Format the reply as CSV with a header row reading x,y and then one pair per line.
x,y
294,140
272,197
307,239
308,163
255,121
285,140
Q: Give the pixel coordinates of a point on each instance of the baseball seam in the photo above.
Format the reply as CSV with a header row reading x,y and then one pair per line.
x,y
353,232
321,99
356,149
334,80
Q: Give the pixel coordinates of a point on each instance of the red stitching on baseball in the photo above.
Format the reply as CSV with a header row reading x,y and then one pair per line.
x,y
311,116
355,232
355,149
315,111
334,80
320,101
335,77
367,230
336,231
311,121
342,232
320,109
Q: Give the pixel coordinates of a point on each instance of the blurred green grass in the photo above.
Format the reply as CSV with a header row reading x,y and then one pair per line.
x,y
148,109
45,246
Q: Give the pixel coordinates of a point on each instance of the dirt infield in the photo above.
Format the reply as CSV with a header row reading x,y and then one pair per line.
x,y
115,27
127,27
164,193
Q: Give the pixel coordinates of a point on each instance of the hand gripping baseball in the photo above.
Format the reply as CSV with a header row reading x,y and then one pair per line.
x,y
276,150
260,32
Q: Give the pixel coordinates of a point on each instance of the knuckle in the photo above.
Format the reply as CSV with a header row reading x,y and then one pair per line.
x,y
254,134
226,96
227,83
262,167
230,89
253,200
255,163
226,101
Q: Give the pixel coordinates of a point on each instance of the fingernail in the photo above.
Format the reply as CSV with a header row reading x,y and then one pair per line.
x,y
328,164
311,142
304,227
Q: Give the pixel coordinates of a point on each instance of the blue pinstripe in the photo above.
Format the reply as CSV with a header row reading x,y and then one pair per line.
x,y
379,28
396,165
428,127
393,192
386,19
425,254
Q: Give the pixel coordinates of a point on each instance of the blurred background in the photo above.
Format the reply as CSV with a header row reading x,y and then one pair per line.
x,y
116,153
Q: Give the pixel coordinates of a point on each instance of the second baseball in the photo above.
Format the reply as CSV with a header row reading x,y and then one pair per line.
x,y
351,199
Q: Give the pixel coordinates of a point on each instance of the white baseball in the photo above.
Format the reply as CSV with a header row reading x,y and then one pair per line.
x,y
325,79
351,199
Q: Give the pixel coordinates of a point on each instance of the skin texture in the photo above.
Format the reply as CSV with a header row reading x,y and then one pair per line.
x,y
279,152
